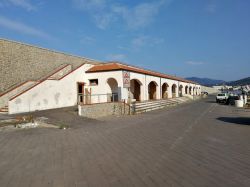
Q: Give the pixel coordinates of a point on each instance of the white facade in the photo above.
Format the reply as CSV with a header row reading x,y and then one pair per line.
x,y
49,94
142,79
64,92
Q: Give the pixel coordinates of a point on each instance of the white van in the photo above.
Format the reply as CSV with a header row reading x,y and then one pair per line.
x,y
222,97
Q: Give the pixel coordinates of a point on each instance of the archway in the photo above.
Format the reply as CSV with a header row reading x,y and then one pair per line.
x,y
164,90
174,90
112,90
186,90
180,91
135,89
190,90
152,90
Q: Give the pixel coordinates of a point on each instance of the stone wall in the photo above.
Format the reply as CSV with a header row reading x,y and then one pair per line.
x,y
103,109
61,73
21,62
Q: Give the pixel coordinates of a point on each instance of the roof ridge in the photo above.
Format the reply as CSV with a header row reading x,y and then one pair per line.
x,y
123,66
153,71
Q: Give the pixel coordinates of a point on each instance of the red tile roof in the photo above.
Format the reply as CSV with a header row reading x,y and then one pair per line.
x,y
114,66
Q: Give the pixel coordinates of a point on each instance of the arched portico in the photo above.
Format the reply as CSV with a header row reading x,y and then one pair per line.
x,y
180,91
174,90
186,89
135,89
112,88
152,90
190,90
164,91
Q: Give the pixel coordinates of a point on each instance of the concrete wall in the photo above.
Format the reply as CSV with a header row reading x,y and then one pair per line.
x,y
21,62
50,94
103,109
57,74
5,98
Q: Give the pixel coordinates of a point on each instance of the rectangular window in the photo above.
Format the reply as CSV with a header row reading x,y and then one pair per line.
x,y
93,82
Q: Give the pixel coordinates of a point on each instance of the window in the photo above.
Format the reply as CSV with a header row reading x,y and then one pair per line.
x,y
93,82
221,94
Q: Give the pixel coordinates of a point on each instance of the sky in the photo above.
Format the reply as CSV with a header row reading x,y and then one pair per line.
x,y
202,38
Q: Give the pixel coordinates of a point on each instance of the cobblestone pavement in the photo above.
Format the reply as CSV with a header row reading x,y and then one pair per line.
x,y
195,144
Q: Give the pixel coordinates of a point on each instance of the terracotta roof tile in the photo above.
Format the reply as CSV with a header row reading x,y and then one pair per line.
x,y
114,66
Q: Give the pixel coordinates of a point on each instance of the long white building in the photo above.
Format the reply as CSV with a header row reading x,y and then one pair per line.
x,y
89,83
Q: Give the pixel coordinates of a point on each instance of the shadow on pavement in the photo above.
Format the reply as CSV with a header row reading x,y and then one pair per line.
x,y
236,120
210,101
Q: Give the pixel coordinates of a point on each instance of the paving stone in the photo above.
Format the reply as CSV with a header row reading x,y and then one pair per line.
x,y
186,145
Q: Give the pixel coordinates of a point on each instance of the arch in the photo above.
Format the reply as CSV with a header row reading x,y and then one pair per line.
x,y
190,90
164,90
112,89
180,90
135,89
174,90
186,90
152,88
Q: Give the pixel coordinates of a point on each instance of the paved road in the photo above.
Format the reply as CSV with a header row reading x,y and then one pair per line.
x,y
196,144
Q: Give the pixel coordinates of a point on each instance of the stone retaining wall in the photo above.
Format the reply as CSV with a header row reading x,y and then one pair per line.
x,y
21,62
103,109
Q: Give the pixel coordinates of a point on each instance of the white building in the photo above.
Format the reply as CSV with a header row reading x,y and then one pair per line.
x,y
90,84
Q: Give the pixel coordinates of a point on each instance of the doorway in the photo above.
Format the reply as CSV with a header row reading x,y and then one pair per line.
x,y
80,92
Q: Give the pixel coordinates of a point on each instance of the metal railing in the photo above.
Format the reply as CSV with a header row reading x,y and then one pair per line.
x,y
97,98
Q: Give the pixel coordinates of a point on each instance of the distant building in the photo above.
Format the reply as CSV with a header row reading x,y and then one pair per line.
x,y
223,88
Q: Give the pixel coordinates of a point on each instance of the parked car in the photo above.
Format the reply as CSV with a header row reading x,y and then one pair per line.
x,y
222,97
204,93
231,99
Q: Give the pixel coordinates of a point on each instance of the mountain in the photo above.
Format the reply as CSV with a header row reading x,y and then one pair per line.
x,y
241,82
206,81
213,82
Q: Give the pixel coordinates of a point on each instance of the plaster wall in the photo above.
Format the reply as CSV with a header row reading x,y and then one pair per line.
x,y
50,94
64,92
5,98
99,92
144,80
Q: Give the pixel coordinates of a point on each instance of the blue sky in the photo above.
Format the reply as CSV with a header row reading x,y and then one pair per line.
x,y
203,38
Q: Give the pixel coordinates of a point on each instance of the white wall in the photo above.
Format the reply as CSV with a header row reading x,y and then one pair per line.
x,y
4,99
63,93
50,94
102,87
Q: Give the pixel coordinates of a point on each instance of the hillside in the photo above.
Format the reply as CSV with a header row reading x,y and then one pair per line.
x,y
245,81
206,81
213,82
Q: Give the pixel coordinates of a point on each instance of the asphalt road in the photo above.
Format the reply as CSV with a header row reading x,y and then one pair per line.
x,y
196,144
